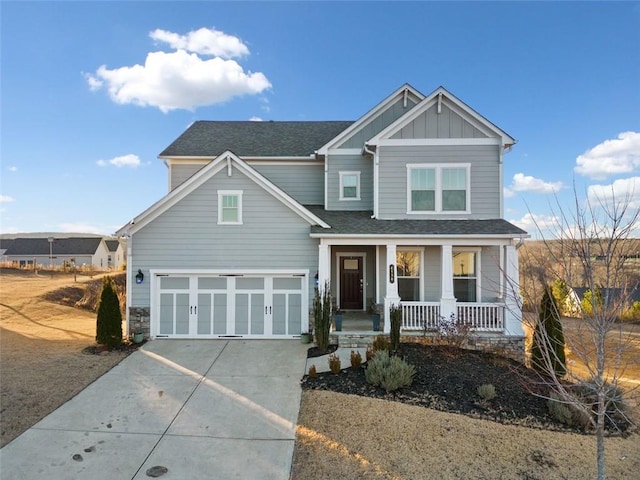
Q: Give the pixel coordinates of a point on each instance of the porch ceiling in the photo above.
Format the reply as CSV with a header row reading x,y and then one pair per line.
x,y
361,223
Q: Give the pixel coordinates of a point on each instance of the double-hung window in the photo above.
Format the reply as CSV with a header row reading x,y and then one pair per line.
x,y
229,207
408,266
465,276
349,185
437,188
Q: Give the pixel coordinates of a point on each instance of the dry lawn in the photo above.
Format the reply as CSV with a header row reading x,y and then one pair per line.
x,y
41,360
352,437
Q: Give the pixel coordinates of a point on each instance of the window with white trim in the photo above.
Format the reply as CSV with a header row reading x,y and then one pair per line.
x,y
409,271
438,188
465,275
349,185
229,207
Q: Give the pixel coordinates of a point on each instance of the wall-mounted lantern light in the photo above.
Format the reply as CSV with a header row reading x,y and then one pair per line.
x,y
139,276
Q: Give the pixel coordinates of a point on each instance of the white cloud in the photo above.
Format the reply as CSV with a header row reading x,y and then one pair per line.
x,y
532,222
611,157
182,79
203,41
621,191
6,199
255,119
527,183
13,168
129,160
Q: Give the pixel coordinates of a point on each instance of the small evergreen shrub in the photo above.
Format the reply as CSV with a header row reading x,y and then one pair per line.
x,y
109,318
334,363
356,360
616,406
381,343
313,372
487,391
369,353
566,412
322,316
389,372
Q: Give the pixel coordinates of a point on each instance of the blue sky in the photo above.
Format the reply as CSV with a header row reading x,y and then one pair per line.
x,y
81,126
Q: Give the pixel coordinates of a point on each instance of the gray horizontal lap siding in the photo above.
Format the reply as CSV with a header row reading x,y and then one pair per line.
x,y
485,178
377,124
180,173
305,183
187,235
446,124
350,163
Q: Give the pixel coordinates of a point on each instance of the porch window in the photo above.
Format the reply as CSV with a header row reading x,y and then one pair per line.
x,y
408,264
229,207
349,185
437,188
465,276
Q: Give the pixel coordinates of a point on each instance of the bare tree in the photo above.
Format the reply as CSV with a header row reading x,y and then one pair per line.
x,y
589,248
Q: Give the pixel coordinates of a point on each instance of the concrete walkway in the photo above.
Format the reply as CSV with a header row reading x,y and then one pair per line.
x,y
197,408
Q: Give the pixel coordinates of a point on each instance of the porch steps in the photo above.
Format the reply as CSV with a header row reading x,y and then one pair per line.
x,y
353,339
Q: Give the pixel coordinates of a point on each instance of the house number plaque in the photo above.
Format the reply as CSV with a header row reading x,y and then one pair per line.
x,y
392,273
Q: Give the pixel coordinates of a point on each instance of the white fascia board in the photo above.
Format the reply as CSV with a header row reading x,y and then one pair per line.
x,y
455,240
420,142
227,271
345,151
454,104
200,177
417,96
285,162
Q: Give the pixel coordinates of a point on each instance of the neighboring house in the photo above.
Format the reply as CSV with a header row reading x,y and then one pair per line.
x,y
4,244
117,254
617,297
403,205
25,252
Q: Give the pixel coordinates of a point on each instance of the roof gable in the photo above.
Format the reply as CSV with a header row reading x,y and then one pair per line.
x,y
458,121
405,94
253,139
227,160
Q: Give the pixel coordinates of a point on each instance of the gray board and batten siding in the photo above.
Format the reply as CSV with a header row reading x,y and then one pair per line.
x,y
304,182
188,237
377,124
484,178
431,124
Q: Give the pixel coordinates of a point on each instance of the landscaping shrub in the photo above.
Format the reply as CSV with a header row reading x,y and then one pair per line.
x,y
356,360
453,332
369,352
616,406
566,412
561,294
109,319
334,363
547,350
487,391
322,316
380,343
389,372
313,372
395,314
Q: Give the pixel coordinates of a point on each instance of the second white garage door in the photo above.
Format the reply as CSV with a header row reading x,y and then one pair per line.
x,y
229,305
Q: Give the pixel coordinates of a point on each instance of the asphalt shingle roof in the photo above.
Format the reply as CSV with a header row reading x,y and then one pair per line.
x,y
259,139
61,246
112,245
361,223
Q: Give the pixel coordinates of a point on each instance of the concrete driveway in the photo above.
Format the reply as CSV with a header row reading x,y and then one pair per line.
x,y
218,409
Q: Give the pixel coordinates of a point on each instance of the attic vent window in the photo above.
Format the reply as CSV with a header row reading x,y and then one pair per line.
x,y
229,207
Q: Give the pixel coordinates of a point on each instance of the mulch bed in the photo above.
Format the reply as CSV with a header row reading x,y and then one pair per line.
x,y
447,379
126,347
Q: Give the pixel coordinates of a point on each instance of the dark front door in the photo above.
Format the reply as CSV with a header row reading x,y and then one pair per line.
x,y
351,283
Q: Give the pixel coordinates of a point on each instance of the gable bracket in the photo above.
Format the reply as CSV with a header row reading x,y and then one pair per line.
x,y
440,102
229,172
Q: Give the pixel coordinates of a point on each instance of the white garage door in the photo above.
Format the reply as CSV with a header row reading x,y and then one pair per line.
x,y
228,305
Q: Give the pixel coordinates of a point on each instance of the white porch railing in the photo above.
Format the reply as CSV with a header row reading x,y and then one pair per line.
x,y
482,317
420,315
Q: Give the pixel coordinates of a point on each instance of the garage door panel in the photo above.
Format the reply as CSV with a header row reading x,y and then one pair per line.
x,y
166,313
295,313
220,313
182,313
279,314
204,313
257,314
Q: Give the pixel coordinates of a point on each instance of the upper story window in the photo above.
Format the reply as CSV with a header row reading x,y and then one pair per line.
x,y
349,185
465,275
229,207
437,188
408,265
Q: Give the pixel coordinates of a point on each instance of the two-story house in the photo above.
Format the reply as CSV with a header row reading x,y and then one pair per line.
x,y
403,206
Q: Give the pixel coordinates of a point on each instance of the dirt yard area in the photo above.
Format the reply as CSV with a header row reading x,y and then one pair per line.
x,y
41,360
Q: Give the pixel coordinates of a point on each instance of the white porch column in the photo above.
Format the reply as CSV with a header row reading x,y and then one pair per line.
x,y
324,266
447,300
513,300
391,296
